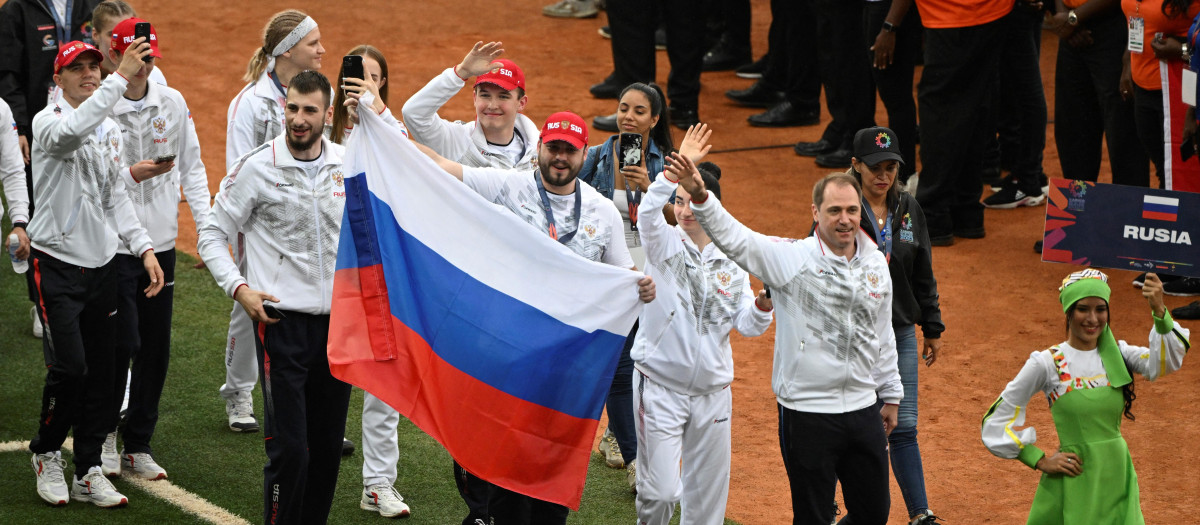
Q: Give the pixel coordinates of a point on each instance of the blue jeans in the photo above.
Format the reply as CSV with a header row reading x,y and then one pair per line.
x,y
906,456
620,402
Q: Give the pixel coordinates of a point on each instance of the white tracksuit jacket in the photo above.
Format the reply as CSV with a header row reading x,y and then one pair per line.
x,y
82,204
461,142
163,126
683,339
291,223
255,116
12,169
834,346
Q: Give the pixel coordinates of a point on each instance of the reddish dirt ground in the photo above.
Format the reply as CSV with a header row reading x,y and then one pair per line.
x,y
998,300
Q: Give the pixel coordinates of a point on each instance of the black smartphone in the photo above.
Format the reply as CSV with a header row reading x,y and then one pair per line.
x,y
142,30
631,150
768,291
1188,148
273,312
164,158
352,66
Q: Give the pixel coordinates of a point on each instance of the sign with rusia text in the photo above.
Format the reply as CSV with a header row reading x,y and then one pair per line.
x,y
1122,227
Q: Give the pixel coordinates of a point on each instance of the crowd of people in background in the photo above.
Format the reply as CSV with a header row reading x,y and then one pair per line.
x,y
101,150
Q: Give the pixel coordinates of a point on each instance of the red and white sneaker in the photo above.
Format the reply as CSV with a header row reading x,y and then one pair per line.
x,y
51,485
96,489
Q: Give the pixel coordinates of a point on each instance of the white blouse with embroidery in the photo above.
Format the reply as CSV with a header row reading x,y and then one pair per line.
x,y
1061,369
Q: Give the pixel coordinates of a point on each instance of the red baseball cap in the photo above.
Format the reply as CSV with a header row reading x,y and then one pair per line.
x,y
508,76
567,126
70,51
122,36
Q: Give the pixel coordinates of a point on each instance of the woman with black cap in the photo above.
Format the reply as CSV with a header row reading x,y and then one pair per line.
x,y
895,220
1086,379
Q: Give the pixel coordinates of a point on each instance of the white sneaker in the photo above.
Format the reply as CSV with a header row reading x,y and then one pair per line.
x,y
96,489
110,460
51,485
240,410
37,323
384,499
142,465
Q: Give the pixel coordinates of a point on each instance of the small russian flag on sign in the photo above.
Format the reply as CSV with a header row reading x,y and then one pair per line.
x,y
1160,208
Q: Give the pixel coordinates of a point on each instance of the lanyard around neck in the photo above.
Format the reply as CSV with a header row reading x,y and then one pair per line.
x,y
537,177
62,23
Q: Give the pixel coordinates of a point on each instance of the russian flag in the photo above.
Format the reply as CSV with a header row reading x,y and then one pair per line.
x,y
1160,208
490,336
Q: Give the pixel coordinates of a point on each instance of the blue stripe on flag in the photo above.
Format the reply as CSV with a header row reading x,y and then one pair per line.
x,y
1161,208
487,334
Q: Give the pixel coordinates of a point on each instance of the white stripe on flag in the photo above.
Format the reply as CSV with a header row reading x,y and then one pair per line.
x,y
1166,201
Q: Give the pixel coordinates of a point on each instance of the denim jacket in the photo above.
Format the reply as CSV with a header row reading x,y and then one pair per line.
x,y
597,168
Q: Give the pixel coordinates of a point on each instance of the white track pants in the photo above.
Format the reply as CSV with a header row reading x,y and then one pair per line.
x,y
674,428
380,450
241,365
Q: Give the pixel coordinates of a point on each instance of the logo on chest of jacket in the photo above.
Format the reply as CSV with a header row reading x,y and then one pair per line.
x,y
338,178
906,233
284,185
590,230
159,124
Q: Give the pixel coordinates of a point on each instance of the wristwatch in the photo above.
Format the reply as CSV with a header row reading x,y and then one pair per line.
x,y
1072,18
887,26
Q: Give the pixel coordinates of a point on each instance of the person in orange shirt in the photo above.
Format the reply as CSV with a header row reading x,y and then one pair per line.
x,y
1088,104
1165,24
963,41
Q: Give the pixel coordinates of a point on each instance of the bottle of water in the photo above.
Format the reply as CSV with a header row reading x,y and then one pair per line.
x,y
14,244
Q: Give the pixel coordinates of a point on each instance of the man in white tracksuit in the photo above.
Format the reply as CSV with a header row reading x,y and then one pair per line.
x,y
499,137
684,363
83,214
291,44
286,197
12,178
155,122
835,352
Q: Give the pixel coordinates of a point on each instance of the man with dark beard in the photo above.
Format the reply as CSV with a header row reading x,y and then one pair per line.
x,y
287,198
552,200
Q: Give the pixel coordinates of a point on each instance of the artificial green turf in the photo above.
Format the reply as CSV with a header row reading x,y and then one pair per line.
x,y
194,444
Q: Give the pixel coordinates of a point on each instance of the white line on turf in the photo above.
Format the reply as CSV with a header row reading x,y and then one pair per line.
x,y
162,489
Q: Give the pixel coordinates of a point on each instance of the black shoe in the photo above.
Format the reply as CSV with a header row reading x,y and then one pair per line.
x,y
605,32
660,38
609,88
946,239
970,233
724,57
812,149
1037,247
683,118
839,158
347,447
992,177
1191,311
1181,287
785,114
758,95
606,123
753,70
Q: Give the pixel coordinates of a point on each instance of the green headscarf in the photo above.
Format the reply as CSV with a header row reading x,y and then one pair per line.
x,y
1093,283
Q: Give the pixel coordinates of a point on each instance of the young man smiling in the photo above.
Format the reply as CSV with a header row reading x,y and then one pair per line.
x,y
84,213
286,198
500,136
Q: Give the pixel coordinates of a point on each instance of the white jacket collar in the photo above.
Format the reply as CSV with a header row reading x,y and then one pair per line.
x,y
282,157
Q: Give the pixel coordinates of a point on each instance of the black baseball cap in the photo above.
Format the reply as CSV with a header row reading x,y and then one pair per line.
x,y
875,145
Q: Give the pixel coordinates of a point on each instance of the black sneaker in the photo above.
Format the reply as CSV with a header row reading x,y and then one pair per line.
x,y
925,519
1011,196
1182,287
347,447
1037,247
1191,311
1140,280
753,70
605,32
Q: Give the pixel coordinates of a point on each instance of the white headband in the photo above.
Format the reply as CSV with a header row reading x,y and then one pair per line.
x,y
306,26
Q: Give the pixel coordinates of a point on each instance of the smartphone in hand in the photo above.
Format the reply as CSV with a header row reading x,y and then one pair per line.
x,y
164,158
273,312
352,66
142,30
630,150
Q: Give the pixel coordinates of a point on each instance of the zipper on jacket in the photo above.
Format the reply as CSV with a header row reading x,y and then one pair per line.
x,y
849,327
317,229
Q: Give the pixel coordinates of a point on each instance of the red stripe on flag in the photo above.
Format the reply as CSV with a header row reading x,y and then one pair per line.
x,y
1159,215
521,446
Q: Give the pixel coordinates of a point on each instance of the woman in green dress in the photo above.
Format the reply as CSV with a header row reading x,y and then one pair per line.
x,y
1090,480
